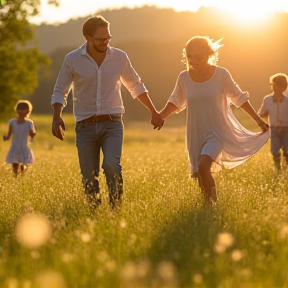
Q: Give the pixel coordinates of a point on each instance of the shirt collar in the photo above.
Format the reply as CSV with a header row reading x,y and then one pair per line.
x,y
109,51
84,49
280,99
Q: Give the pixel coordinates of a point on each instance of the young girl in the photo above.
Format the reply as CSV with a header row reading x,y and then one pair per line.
x,y
215,138
20,155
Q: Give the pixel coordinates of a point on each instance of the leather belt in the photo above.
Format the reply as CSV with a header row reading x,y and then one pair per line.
x,y
101,118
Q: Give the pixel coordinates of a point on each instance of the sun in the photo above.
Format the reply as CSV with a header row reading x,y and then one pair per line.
x,y
249,11
243,11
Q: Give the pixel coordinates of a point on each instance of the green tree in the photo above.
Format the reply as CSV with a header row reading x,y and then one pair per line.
x,y
20,59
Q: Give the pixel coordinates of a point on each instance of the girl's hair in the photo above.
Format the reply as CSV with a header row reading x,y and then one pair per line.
x,y
92,23
24,104
207,44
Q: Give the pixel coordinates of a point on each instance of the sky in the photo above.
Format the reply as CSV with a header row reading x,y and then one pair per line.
x,y
245,10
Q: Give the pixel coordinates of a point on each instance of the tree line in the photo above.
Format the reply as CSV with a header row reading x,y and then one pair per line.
x,y
251,53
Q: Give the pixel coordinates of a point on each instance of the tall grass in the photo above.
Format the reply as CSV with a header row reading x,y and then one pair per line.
x,y
163,236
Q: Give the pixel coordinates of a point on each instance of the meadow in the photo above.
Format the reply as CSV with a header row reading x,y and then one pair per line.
x,y
162,237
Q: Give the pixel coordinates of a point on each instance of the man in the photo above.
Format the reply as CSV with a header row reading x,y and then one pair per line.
x,y
96,71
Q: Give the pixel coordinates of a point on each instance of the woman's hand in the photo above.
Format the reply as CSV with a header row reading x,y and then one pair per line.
x,y
263,125
157,121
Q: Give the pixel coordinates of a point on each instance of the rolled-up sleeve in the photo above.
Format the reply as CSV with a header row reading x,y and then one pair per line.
x,y
178,96
63,83
131,80
233,91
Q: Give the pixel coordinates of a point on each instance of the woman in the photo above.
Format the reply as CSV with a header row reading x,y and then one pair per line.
x,y
215,138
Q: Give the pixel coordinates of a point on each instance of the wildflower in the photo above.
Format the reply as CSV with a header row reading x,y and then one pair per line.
x,y
283,233
33,230
49,279
224,241
236,255
123,223
85,237
197,278
166,271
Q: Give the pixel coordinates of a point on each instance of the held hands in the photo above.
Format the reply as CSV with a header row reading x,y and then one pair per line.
x,y
156,120
58,128
263,125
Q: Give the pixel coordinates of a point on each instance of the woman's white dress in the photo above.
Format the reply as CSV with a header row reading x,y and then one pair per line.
x,y
20,152
211,120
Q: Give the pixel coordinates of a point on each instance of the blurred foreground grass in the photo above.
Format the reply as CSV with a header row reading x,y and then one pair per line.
x,y
162,237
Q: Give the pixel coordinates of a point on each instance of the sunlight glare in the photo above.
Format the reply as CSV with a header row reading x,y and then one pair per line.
x,y
182,5
244,10
248,11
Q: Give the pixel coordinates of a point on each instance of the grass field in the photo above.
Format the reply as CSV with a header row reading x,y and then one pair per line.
x,y
162,237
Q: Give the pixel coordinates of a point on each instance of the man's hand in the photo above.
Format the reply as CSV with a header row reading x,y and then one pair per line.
x,y
58,128
157,121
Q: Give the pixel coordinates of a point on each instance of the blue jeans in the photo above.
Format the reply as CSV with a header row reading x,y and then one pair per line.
x,y
279,140
90,139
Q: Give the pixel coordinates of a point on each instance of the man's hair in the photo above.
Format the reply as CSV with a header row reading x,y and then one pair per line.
x,y
92,23
279,79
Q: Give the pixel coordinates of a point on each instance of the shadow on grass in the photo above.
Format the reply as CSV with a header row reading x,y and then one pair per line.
x,y
188,242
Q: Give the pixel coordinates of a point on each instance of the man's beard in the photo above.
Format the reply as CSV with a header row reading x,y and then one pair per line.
x,y
98,50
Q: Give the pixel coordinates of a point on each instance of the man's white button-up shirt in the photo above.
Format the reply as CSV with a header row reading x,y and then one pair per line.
x,y
96,90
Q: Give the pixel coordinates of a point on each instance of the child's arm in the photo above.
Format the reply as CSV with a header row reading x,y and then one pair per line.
x,y
32,132
263,112
10,131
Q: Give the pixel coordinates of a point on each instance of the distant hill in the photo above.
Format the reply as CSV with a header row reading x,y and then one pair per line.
x,y
140,24
154,39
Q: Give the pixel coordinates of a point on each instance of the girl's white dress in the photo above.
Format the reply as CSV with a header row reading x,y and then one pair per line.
x,y
211,122
20,152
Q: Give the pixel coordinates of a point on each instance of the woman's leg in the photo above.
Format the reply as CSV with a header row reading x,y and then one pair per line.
x,y
207,182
